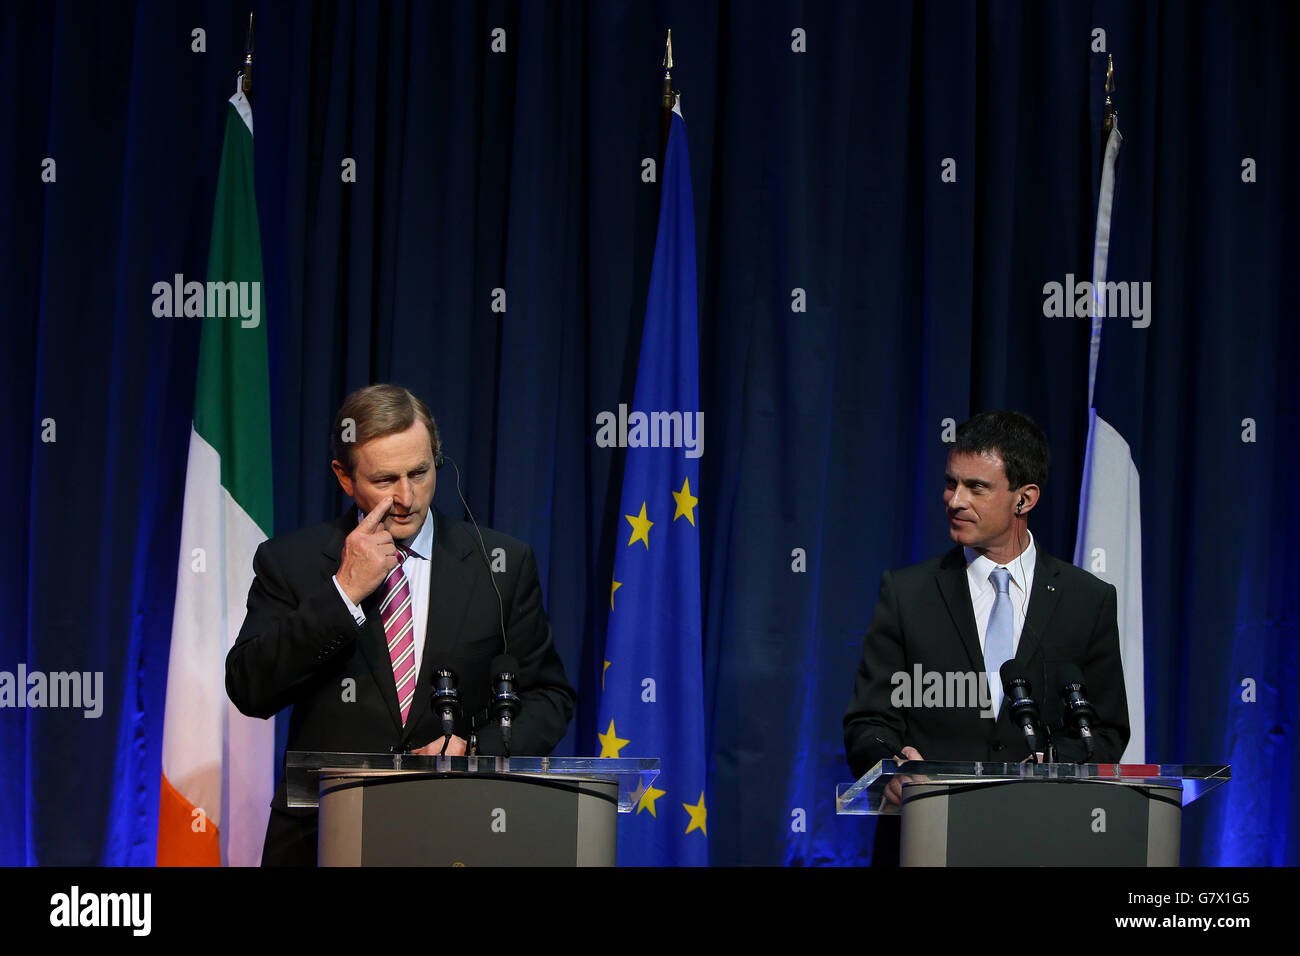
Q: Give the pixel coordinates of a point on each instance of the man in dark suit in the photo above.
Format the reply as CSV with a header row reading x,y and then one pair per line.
x,y
349,621
994,597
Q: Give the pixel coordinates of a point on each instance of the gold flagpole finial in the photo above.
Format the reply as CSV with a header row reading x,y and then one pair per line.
x,y
248,60
670,99
1108,112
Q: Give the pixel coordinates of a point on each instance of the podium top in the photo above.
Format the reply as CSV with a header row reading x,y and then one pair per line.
x,y
867,794
304,767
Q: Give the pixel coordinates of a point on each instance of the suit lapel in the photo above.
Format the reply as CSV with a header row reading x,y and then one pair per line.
x,y
951,579
372,641
452,579
1043,599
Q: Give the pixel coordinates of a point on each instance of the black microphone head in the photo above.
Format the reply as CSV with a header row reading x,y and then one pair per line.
x,y
1079,711
504,664
445,693
1012,674
505,703
1023,710
439,460
445,699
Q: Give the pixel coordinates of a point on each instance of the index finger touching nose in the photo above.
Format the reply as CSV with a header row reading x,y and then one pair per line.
x,y
371,521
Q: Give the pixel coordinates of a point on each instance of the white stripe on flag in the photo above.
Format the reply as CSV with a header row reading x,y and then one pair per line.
x,y
209,748
1109,543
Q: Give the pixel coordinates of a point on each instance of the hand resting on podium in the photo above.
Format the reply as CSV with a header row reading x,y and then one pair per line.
x,y
894,792
455,748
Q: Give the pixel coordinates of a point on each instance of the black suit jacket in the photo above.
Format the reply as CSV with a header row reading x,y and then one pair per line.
x,y
300,647
924,616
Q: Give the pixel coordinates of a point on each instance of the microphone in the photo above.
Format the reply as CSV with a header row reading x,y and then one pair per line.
x,y
1023,710
446,702
1079,712
504,702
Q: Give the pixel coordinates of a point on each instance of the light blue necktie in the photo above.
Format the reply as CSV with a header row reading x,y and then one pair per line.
x,y
999,644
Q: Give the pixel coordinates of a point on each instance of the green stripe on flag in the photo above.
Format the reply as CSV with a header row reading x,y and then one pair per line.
x,y
232,407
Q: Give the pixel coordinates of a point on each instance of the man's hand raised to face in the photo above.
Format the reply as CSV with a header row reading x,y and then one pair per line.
x,y
368,555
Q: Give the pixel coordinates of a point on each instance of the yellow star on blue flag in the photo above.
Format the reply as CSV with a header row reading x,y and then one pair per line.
x,y
610,742
648,798
686,502
640,531
699,815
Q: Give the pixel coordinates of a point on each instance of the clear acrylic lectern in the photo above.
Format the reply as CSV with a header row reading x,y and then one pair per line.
x,y
999,814
412,810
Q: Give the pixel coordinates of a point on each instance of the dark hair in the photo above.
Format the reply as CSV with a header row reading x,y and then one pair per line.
x,y
1020,444
376,411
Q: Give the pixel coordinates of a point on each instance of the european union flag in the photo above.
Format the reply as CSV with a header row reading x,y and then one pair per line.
x,y
652,698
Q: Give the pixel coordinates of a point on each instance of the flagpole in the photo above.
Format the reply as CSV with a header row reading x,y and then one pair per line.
x,y
669,100
665,120
1108,112
248,61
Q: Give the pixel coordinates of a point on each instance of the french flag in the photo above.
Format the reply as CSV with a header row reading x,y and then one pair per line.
x,y
1109,538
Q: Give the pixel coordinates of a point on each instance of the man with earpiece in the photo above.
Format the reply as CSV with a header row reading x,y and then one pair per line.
x,y
995,597
349,621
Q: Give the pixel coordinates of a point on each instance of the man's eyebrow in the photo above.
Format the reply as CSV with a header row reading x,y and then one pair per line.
x,y
389,475
969,482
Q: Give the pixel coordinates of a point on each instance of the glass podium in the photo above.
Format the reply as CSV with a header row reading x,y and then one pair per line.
x,y
1026,814
416,810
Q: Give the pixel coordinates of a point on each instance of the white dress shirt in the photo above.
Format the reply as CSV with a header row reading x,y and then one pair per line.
x,y
983,593
417,567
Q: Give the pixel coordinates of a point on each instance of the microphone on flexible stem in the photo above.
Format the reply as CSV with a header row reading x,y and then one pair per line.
x,y
504,698
1024,712
446,703
504,702
1079,712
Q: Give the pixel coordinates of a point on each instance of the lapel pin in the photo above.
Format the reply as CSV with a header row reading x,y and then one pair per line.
x,y
1051,587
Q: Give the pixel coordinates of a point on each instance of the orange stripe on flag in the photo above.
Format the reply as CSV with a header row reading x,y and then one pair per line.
x,y
186,837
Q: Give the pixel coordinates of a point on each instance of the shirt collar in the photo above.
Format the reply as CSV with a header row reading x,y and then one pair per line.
x,y
422,544
979,567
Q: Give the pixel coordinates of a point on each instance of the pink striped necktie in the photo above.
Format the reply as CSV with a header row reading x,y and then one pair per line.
x,y
399,626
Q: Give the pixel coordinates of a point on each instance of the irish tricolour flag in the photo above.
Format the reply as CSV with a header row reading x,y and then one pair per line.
x,y
217,764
